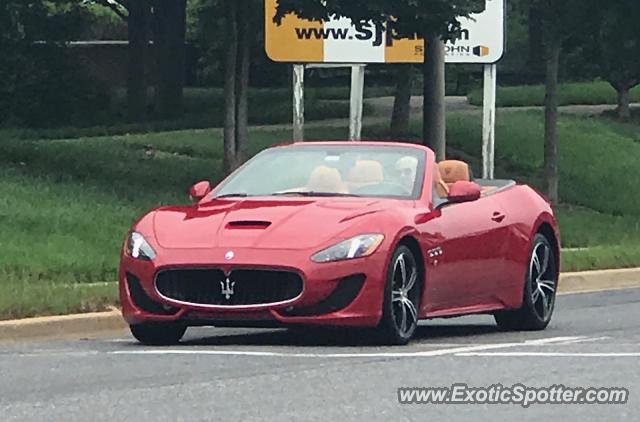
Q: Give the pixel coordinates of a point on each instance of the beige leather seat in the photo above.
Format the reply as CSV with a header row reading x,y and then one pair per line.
x,y
365,173
453,171
326,179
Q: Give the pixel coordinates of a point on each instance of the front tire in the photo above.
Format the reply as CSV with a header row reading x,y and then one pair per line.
x,y
158,334
539,291
402,292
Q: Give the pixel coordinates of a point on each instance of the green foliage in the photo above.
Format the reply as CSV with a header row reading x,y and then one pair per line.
x,y
562,20
578,93
39,86
405,18
619,43
208,30
105,24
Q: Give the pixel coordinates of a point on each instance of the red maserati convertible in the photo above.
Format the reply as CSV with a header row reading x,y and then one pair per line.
x,y
366,234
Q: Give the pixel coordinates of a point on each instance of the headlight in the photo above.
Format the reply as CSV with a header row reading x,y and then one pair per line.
x,y
139,248
356,247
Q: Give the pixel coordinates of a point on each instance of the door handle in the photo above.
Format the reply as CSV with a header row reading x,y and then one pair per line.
x,y
498,217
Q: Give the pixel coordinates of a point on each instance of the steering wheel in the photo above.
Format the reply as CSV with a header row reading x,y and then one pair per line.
x,y
383,188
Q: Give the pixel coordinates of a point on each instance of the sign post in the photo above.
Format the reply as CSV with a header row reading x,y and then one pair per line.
x,y
357,102
298,102
489,121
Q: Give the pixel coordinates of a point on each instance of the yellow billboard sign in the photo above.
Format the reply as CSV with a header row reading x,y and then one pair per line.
x,y
339,40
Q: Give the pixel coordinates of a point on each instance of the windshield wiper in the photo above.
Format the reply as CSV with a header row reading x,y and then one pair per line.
x,y
232,195
318,194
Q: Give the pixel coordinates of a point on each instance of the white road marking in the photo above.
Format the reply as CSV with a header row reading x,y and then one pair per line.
x,y
429,353
551,354
585,340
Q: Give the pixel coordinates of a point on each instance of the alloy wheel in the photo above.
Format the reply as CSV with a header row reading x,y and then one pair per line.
x,y
405,294
543,280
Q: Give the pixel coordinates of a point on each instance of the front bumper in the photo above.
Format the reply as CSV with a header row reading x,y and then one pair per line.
x,y
329,297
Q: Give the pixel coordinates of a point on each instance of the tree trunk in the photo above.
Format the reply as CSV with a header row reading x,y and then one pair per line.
x,y
230,87
138,34
402,103
434,119
551,119
536,42
242,82
624,100
170,53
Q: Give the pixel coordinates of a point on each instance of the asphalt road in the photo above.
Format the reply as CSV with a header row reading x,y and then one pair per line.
x,y
234,374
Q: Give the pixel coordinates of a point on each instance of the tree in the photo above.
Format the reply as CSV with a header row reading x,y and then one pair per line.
x,y
559,22
40,84
240,21
139,35
137,15
166,21
434,121
619,47
433,20
400,118
169,35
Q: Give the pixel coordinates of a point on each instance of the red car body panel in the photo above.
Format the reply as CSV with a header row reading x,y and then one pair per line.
x,y
474,254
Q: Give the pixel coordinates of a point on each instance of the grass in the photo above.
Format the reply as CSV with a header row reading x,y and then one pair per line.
x,y
581,93
21,300
66,204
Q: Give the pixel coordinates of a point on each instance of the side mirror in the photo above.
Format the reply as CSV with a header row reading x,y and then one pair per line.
x,y
464,192
199,191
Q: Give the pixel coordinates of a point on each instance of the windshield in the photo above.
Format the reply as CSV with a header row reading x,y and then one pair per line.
x,y
323,170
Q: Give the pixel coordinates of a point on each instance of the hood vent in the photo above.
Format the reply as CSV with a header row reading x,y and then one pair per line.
x,y
248,225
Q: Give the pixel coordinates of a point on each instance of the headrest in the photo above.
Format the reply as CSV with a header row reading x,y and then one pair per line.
x,y
454,171
366,172
325,179
407,163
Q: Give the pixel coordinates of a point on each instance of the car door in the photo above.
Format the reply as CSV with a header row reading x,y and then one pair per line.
x,y
465,253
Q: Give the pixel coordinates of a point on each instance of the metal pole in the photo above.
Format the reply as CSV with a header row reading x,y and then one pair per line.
x,y
489,121
357,101
298,102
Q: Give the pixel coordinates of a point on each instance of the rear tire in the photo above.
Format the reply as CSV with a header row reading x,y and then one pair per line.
x,y
403,289
158,334
540,288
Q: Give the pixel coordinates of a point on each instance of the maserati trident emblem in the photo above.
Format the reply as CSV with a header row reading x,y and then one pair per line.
x,y
226,288
229,255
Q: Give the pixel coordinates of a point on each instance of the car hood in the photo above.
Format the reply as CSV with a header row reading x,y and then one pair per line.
x,y
277,224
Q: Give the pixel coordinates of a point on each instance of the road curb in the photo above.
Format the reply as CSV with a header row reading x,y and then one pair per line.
x,y
594,281
62,326
92,324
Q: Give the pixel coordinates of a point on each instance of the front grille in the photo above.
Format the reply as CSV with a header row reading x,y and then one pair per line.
x,y
240,288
